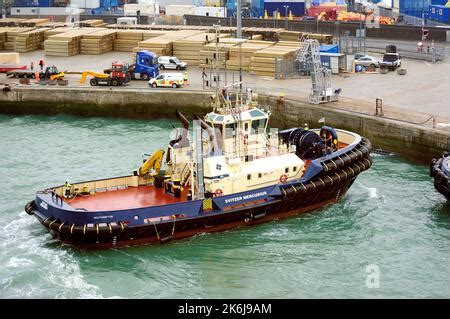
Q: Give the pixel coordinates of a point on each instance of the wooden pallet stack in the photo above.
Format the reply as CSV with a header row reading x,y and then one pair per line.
x,y
127,40
240,55
263,62
188,49
29,40
32,22
66,44
98,42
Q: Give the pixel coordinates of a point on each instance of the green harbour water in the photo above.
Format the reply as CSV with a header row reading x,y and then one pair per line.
x,y
392,219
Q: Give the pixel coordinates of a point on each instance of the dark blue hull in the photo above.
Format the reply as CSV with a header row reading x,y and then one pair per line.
x,y
326,181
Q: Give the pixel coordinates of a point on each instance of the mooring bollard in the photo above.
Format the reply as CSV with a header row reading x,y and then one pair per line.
x,y
379,107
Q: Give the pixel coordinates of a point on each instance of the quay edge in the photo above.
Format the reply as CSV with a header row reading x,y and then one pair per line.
x,y
414,142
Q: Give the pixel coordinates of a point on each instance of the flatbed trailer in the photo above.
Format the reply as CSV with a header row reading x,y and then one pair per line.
x,y
4,68
22,73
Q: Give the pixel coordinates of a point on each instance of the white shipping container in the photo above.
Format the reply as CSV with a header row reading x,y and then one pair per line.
x,y
179,10
210,11
89,4
51,11
146,9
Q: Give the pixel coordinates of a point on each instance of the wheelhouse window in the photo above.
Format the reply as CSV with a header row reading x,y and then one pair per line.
x,y
286,170
249,177
230,130
258,126
294,169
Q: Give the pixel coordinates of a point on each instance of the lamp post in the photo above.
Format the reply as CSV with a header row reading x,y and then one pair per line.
x,y
238,19
286,7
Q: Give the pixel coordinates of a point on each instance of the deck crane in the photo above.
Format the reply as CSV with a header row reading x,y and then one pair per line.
x,y
321,90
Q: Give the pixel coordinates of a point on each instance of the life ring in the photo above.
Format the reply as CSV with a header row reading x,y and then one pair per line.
x,y
218,192
283,178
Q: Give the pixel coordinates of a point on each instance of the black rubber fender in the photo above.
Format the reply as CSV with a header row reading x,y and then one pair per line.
x,y
29,207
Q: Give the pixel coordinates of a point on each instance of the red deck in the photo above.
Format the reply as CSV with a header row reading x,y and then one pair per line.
x,y
132,197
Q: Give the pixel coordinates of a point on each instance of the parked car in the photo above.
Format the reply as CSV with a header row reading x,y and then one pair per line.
x,y
368,61
171,62
391,61
174,80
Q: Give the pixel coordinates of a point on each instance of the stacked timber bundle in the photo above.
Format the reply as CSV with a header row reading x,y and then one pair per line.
x,y
10,22
127,40
322,38
188,49
51,24
289,35
159,45
54,31
241,54
268,34
208,54
264,61
98,42
11,34
66,44
149,34
32,22
2,39
92,23
29,40
164,44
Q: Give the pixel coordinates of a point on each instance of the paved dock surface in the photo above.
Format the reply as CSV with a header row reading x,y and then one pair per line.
x,y
415,97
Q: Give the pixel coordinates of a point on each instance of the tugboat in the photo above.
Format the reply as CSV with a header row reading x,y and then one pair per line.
x,y
440,171
232,172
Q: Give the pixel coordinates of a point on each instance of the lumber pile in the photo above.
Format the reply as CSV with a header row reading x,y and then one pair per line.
x,y
322,38
54,31
264,61
65,44
159,45
2,39
32,22
29,40
98,42
240,55
92,23
11,34
10,22
127,40
289,35
164,44
208,56
188,49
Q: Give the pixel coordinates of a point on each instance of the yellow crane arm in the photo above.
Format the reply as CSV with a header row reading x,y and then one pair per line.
x,y
153,161
57,76
94,74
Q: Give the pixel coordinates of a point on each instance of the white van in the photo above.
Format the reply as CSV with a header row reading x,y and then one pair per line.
x,y
171,62
174,80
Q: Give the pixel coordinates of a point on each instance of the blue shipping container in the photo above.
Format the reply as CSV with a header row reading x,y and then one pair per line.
x,y
297,8
415,8
329,48
439,2
439,13
33,3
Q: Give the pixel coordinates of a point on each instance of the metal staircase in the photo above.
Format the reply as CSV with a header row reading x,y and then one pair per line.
x,y
321,91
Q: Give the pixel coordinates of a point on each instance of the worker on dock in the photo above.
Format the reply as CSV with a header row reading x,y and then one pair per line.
x,y
41,64
31,66
185,78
